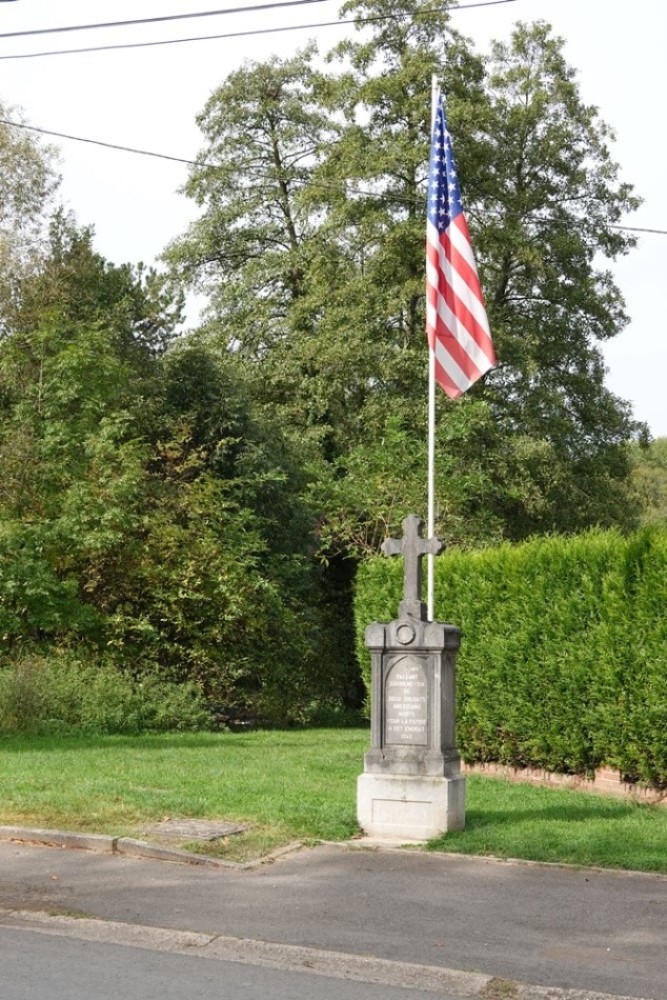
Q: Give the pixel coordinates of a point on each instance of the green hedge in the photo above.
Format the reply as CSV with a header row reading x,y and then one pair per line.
x,y
563,663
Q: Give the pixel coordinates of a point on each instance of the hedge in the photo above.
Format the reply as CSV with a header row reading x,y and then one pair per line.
x,y
563,663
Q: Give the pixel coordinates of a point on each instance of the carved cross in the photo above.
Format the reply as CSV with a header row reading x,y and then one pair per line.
x,y
413,548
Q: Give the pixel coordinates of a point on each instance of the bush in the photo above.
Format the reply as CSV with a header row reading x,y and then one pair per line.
x,y
60,695
563,663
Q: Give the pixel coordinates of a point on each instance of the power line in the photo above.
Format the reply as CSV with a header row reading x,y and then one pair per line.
x,y
98,142
155,20
249,32
639,229
200,163
178,41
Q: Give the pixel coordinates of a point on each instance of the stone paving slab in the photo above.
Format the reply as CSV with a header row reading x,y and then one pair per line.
x,y
202,830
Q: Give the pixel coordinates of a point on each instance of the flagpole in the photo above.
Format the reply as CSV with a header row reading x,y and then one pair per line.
x,y
431,425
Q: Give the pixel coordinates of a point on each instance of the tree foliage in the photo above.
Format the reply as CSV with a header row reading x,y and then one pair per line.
x,y
28,182
545,216
314,263
147,514
649,480
194,506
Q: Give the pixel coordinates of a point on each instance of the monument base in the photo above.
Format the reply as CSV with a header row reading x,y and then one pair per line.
x,y
410,807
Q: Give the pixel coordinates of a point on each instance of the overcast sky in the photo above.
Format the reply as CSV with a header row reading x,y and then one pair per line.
x,y
148,98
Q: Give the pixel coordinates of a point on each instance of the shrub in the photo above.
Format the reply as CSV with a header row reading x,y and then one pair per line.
x,y
61,695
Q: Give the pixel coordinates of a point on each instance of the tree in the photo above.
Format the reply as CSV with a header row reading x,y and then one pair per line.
x,y
148,511
72,472
544,214
543,197
263,128
28,182
301,271
315,268
267,636
140,309
176,542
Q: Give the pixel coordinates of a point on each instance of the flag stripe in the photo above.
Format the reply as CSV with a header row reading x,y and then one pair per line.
x,y
452,388
469,359
467,327
456,323
459,252
457,368
448,312
467,309
462,314
443,316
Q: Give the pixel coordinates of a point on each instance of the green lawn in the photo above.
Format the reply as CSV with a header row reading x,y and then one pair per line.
x,y
298,785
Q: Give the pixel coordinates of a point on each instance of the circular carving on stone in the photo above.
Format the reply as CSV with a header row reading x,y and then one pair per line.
x,y
405,634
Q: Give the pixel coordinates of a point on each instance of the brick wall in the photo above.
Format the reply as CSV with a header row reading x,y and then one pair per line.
x,y
606,781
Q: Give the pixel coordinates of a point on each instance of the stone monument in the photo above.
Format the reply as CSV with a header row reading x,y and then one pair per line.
x,y
412,787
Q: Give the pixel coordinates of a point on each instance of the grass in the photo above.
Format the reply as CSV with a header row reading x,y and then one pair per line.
x,y
557,825
288,785
298,785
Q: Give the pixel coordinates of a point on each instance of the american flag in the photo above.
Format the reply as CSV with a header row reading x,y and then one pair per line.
x,y
456,323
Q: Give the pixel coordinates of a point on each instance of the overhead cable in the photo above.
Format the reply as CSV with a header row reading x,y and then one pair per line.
x,y
97,142
156,20
203,163
249,32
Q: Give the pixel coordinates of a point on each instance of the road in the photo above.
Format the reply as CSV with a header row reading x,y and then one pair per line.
x,y
384,919
37,966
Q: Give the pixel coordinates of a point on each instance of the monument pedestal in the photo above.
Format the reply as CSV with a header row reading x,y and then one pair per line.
x,y
399,807
412,787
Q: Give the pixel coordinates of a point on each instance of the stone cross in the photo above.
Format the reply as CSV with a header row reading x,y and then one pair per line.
x,y
413,548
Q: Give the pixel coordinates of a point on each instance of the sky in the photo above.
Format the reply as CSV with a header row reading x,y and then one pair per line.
x,y
148,98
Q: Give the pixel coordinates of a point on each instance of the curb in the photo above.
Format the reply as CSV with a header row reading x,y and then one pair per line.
x,y
124,846
407,847
129,847
457,984
96,842
157,852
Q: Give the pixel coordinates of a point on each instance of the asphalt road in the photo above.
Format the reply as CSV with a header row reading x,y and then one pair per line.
x,y
560,928
36,966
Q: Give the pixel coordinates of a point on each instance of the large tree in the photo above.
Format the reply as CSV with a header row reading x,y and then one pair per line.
x,y
543,198
544,213
311,243
252,249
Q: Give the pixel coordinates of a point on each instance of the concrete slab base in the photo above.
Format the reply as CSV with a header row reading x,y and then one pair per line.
x,y
410,807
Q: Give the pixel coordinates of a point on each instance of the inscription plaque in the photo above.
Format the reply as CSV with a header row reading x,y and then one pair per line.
x,y
406,716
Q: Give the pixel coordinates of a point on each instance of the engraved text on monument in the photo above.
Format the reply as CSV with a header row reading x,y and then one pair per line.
x,y
406,717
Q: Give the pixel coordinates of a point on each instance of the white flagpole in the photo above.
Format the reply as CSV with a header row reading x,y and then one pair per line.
x,y
431,423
